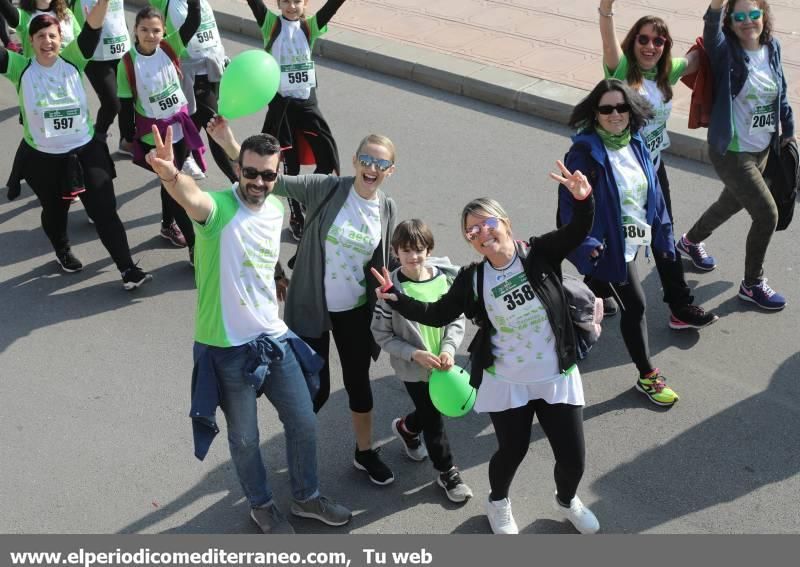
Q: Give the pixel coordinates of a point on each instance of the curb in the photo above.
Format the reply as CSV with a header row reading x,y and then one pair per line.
x,y
493,85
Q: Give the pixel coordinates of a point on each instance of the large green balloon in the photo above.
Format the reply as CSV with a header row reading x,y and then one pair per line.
x,y
450,391
248,84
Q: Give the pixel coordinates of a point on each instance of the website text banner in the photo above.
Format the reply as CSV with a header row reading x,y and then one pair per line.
x,y
396,551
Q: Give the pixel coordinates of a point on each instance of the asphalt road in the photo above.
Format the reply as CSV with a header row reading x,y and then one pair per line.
x,y
94,381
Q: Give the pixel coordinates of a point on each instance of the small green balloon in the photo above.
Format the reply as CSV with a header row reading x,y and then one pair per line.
x,y
248,84
450,391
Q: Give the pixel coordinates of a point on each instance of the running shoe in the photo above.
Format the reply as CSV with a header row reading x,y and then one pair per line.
x,y
696,253
654,386
68,262
762,295
690,317
125,147
322,509
455,488
370,462
500,517
173,233
193,170
270,520
579,515
134,277
413,445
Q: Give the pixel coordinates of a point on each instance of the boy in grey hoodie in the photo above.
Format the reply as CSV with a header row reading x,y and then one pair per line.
x,y
417,349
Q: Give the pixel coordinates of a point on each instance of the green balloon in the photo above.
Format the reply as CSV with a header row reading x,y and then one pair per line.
x,y
248,84
450,391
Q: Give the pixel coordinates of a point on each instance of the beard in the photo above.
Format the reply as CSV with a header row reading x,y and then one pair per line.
x,y
253,194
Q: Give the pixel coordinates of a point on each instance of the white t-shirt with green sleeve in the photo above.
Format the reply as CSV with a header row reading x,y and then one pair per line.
x,y
349,246
235,254
632,187
655,131
55,110
754,119
114,39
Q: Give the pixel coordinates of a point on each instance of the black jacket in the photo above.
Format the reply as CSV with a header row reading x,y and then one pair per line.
x,y
541,257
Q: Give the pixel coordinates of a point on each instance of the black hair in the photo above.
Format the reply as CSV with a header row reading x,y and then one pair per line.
x,y
413,234
261,144
584,113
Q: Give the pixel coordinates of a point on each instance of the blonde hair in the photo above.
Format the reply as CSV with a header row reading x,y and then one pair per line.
x,y
378,140
483,207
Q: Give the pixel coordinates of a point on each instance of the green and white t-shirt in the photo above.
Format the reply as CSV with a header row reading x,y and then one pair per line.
x,y
114,39
235,254
429,290
207,42
632,187
526,365
655,132
55,110
754,119
159,89
292,51
69,29
349,246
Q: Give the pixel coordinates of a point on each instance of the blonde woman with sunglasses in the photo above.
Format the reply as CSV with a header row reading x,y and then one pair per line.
x,y
644,61
523,358
750,115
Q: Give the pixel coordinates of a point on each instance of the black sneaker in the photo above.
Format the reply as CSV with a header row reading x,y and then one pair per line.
x,y
690,317
454,487
134,277
371,463
68,261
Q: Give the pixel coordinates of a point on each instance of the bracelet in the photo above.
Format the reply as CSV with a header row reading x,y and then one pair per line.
x,y
177,173
611,13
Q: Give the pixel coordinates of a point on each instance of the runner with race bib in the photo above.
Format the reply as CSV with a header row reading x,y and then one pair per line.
x,y
149,84
294,113
61,158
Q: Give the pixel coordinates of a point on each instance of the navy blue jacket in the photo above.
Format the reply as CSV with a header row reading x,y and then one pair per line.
x,y
730,73
589,155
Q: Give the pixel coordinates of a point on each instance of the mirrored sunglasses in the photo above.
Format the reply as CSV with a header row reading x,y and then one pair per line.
x,y
473,231
753,15
367,160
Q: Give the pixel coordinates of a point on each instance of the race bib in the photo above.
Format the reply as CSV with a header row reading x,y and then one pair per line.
x,y
115,47
636,233
167,102
657,139
62,121
763,119
517,294
207,35
298,76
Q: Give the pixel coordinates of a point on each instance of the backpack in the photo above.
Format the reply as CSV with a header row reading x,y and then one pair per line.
x,y
276,31
585,309
130,72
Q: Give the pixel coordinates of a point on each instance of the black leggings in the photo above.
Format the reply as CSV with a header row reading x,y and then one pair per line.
x,y
205,94
633,321
103,77
352,335
670,272
427,420
170,209
45,174
563,426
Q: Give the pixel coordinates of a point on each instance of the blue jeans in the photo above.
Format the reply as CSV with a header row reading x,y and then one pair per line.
x,y
285,387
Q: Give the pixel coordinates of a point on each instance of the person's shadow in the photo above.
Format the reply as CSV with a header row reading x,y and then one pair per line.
x,y
729,455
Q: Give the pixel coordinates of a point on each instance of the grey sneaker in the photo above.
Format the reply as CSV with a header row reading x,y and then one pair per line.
x,y
271,520
322,509
415,448
455,488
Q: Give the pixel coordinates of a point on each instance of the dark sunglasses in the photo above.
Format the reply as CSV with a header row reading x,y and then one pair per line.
x,y
473,231
753,15
266,175
367,160
608,108
644,39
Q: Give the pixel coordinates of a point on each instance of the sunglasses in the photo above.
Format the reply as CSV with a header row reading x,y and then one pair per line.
x,y
753,15
645,39
473,231
367,160
266,175
608,108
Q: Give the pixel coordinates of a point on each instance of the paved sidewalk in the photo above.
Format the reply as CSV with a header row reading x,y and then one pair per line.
x,y
535,56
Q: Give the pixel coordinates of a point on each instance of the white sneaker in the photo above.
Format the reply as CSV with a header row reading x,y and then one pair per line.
x,y
579,515
191,168
500,517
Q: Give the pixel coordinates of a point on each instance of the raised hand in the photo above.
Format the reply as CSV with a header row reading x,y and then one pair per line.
x,y
160,158
385,281
576,183
219,129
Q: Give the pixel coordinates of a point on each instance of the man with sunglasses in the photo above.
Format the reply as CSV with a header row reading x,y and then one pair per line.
x,y
242,347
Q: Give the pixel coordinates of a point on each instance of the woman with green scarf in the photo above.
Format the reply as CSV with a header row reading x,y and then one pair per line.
x,y
630,213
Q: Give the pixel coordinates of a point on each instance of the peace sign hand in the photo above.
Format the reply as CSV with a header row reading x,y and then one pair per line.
x,y
161,158
386,284
576,183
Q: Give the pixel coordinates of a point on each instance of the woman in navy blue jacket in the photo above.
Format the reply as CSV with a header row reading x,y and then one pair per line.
x,y
630,213
750,115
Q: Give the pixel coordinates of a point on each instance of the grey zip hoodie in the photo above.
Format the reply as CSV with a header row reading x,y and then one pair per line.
x,y
400,337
